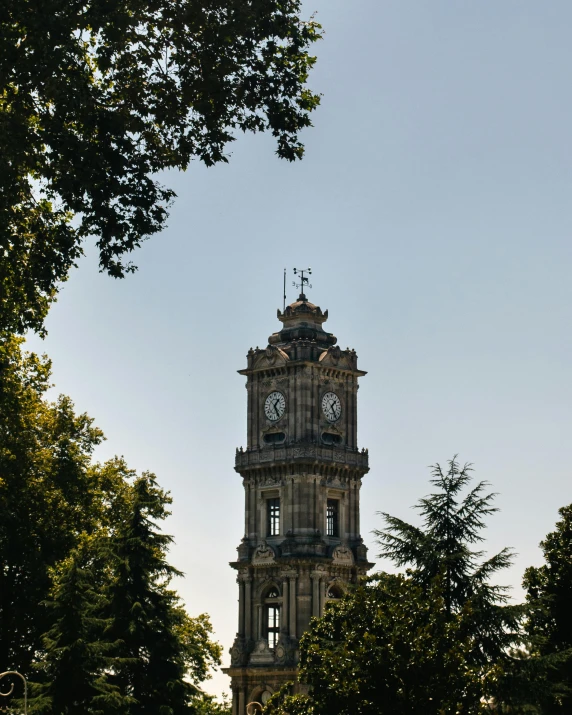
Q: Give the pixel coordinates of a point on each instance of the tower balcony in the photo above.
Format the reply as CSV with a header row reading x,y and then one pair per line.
x,y
302,453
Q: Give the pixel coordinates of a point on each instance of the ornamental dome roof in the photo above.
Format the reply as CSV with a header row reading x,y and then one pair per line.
x,y
302,320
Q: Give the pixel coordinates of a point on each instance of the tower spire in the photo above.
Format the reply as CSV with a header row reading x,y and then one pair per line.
x,y
304,280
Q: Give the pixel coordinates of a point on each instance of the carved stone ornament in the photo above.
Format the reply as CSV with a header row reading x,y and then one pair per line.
x,y
285,650
339,456
269,357
335,482
342,555
335,353
262,653
304,452
362,552
342,359
263,554
243,549
240,649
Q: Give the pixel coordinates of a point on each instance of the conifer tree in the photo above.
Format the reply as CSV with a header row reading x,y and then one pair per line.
x,y
50,493
158,642
77,658
64,592
453,520
549,624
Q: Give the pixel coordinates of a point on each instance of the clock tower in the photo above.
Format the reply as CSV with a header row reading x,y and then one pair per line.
x,y
302,473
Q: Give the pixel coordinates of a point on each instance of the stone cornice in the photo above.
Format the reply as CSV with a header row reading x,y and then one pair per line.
x,y
297,454
330,370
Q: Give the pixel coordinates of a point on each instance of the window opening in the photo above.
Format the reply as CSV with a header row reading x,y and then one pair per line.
x,y
273,625
274,438
332,518
331,438
273,516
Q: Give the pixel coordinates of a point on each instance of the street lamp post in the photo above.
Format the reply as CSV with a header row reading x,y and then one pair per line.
x,y
5,695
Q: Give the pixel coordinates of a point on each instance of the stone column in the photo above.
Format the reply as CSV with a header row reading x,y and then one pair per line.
x,y
322,597
248,606
291,504
350,509
240,607
315,594
358,487
241,702
285,605
292,603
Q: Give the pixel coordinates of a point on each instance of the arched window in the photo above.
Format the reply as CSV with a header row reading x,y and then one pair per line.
x,y
273,625
332,518
273,517
272,616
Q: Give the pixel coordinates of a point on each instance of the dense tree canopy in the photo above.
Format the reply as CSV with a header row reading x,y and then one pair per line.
x,y
440,639
49,494
97,96
387,648
549,597
86,609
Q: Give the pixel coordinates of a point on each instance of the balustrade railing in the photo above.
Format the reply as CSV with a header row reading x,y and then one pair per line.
x,y
305,452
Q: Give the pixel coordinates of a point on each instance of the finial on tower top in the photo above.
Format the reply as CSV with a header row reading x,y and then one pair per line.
x,y
304,280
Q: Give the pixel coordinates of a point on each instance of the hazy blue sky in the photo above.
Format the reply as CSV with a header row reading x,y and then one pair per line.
x,y
434,208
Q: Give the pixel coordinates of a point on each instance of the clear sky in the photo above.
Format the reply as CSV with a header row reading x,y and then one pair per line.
x,y
434,208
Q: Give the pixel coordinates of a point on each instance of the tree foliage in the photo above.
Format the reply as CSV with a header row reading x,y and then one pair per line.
x,y
388,647
453,522
86,610
97,96
549,624
77,657
158,644
441,639
49,494
208,705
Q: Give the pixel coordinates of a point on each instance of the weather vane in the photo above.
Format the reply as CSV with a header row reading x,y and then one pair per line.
x,y
304,280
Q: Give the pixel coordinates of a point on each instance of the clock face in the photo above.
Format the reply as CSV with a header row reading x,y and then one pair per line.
x,y
331,406
274,406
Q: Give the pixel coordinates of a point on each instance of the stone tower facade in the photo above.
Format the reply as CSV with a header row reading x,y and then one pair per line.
x,y
302,473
